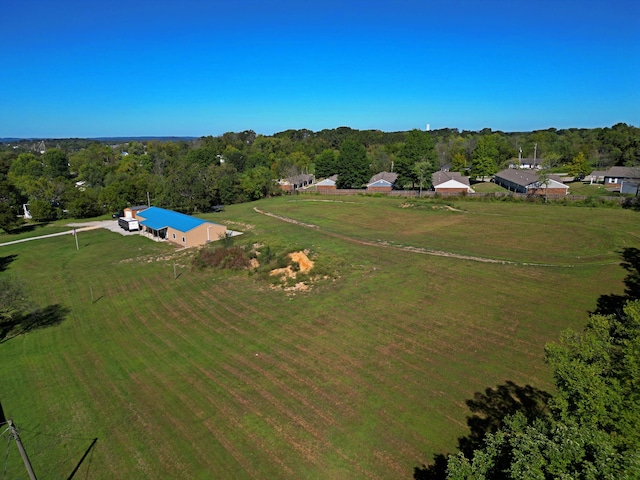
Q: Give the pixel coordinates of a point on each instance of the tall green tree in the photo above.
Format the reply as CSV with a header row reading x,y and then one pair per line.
x,y
224,185
418,147
353,166
483,167
42,210
185,188
579,166
26,165
423,171
381,159
56,163
256,183
593,430
8,217
484,163
459,162
10,200
326,163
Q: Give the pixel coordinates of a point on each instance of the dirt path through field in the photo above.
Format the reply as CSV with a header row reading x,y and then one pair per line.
x,y
437,253
407,248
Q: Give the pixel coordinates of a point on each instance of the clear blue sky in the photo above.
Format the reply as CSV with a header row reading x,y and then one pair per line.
x,y
85,68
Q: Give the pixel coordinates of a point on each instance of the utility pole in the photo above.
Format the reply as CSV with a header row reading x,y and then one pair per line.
x,y
23,453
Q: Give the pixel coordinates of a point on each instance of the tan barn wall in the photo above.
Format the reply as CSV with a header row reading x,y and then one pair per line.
x,y
197,236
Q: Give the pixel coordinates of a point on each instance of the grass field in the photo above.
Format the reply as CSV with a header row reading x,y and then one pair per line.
x,y
216,375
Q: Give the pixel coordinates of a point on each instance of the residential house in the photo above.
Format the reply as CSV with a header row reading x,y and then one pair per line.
x,y
327,184
597,176
450,183
382,182
616,177
291,184
527,163
178,228
527,182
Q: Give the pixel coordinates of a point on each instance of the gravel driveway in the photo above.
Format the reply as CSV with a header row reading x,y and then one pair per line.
x,y
108,224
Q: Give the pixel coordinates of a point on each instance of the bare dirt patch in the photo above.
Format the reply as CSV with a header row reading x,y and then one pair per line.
x,y
304,265
433,207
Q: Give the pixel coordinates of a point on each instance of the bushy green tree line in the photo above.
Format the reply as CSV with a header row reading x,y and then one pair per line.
x,y
593,429
82,178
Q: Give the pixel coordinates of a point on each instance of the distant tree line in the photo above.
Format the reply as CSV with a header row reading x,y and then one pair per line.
x,y
83,178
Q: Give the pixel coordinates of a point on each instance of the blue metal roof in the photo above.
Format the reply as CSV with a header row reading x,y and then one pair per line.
x,y
158,218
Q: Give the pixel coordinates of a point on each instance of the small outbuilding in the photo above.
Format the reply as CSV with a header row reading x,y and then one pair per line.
x,y
131,212
178,228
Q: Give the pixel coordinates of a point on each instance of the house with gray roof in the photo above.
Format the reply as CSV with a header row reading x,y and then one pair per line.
x,y
327,184
528,182
616,177
450,183
295,182
382,182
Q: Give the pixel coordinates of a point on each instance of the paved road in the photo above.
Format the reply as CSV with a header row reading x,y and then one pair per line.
x,y
111,225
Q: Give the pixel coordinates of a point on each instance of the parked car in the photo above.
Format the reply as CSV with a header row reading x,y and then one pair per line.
x,y
218,208
118,215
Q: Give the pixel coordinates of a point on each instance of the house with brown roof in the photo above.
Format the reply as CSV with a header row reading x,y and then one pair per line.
x,y
528,182
451,183
382,182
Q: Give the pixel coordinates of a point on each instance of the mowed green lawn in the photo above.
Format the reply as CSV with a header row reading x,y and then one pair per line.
x,y
217,375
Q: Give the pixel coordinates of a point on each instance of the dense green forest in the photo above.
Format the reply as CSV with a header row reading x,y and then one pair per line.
x,y
83,178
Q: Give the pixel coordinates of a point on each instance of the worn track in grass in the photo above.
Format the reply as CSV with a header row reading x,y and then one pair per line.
x,y
424,251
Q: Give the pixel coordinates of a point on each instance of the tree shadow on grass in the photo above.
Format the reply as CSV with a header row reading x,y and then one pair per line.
x,y
5,261
614,304
488,412
26,322
28,227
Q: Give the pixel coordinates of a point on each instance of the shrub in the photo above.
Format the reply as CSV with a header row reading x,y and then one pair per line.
x,y
226,258
633,203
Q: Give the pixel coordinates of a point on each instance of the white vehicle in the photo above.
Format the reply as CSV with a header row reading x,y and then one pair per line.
x,y
129,224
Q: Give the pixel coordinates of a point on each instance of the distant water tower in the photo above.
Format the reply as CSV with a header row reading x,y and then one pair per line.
x,y
428,127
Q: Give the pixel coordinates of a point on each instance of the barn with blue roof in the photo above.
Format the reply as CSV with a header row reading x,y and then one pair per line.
x,y
178,228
